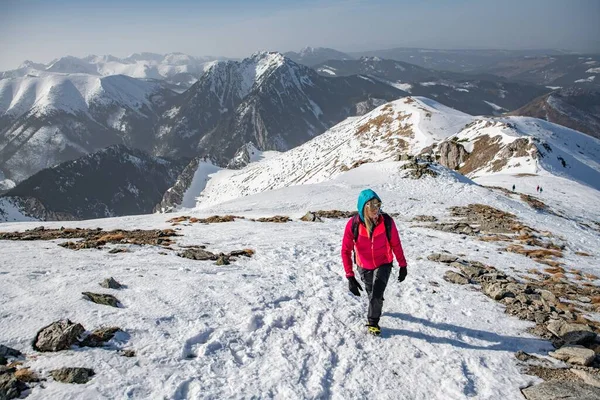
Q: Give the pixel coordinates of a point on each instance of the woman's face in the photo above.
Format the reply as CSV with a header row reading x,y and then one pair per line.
x,y
372,208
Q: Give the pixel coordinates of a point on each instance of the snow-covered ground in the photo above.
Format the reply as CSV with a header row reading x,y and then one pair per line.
x,y
282,324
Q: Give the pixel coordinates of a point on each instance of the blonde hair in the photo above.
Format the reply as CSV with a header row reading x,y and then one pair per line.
x,y
368,221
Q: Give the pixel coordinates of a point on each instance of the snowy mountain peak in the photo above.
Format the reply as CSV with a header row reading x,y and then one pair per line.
x,y
72,65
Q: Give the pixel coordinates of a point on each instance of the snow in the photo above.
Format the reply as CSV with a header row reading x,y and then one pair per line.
x,y
593,70
329,154
282,323
327,71
9,212
496,107
588,79
201,176
554,87
461,90
72,93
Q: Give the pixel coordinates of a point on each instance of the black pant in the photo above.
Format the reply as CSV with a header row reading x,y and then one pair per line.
x,y
375,282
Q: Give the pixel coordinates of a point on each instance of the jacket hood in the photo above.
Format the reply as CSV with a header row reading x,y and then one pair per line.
x,y
363,197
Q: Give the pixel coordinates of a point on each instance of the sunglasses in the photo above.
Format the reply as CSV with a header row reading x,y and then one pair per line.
x,y
374,205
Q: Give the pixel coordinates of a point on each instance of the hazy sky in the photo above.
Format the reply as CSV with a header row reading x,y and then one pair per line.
x,y
40,30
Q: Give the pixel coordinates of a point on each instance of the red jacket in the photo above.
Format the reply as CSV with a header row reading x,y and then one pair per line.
x,y
372,252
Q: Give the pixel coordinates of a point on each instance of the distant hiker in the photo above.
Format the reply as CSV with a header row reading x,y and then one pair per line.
x,y
373,237
537,189
541,190
513,188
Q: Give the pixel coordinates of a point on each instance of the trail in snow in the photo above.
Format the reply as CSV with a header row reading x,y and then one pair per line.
x,y
283,324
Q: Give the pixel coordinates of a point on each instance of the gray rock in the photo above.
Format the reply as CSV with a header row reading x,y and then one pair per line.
x,y
100,336
311,217
555,390
10,387
522,356
584,299
455,277
72,375
59,335
571,333
101,298
9,352
223,260
574,354
470,270
197,254
588,378
496,291
3,360
548,296
111,283
442,257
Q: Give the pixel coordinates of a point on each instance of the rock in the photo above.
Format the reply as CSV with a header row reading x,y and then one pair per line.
x,y
548,296
588,378
455,277
111,283
128,353
491,277
3,360
10,387
9,352
571,333
540,317
584,299
442,257
100,298
452,154
197,254
574,354
424,218
471,271
522,356
311,217
72,375
496,291
100,336
26,375
59,335
555,390
223,260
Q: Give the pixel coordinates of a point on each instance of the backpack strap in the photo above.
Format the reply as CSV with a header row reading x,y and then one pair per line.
x,y
387,220
355,224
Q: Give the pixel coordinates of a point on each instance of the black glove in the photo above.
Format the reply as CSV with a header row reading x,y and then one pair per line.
x,y
354,286
402,274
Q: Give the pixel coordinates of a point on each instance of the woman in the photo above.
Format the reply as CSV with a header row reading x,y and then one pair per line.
x,y
373,237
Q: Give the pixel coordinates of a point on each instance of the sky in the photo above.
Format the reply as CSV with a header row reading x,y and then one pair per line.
x,y
41,30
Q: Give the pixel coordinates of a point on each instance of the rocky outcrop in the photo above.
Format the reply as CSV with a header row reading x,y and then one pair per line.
x,y
72,375
60,335
102,298
173,197
554,390
451,154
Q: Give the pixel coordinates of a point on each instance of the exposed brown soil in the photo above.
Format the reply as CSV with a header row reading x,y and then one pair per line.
x,y
95,238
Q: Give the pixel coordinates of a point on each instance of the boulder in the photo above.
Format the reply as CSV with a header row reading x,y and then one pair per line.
x,y
455,277
571,333
311,217
496,291
59,335
554,390
101,298
10,386
197,254
72,375
111,283
442,257
100,336
574,354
